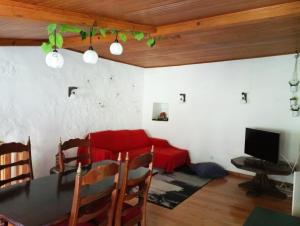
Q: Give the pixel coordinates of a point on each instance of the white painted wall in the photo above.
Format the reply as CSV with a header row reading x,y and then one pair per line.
x,y
34,100
211,124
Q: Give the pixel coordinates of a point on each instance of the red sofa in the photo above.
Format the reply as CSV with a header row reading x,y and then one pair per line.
x,y
107,145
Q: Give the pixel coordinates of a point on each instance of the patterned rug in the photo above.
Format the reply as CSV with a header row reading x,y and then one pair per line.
x,y
169,190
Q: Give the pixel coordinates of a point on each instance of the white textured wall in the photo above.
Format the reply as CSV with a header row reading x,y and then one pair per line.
x,y
34,100
211,124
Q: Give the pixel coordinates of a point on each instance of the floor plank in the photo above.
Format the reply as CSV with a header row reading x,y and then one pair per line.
x,y
220,203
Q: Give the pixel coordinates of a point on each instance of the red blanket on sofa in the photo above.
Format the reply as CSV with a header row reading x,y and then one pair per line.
x,y
107,144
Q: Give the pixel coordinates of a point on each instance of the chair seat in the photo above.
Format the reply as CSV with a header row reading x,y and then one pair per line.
x,y
129,212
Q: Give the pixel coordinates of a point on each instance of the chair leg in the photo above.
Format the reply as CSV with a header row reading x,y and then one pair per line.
x,y
143,223
3,223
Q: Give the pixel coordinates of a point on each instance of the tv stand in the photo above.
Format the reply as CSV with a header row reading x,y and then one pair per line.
x,y
261,184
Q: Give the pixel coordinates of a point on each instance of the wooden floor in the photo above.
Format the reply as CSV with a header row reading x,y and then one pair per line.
x,y
220,203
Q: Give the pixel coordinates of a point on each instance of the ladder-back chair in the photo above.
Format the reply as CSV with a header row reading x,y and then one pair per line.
x,y
21,153
63,161
134,187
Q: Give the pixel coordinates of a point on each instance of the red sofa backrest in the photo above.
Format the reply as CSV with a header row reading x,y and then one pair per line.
x,y
120,140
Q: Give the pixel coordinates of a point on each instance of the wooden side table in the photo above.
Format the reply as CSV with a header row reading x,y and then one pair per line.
x,y
261,184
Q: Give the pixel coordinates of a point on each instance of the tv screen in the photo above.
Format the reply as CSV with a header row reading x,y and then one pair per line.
x,y
262,144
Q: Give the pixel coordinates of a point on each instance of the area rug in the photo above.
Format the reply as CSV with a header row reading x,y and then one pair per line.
x,y
169,190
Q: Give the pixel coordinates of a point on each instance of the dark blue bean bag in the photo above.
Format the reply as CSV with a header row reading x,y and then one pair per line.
x,y
209,170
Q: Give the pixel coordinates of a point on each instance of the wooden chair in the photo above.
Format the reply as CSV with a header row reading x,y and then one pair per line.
x,y
22,163
69,144
100,205
134,187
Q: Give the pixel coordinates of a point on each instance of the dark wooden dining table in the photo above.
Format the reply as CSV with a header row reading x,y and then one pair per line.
x,y
47,200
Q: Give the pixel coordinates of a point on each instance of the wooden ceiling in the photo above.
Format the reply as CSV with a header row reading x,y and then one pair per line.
x,y
190,31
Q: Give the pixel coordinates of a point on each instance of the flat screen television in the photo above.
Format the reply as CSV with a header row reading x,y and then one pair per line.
x,y
262,144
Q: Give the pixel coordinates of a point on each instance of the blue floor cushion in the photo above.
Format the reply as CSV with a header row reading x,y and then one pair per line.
x,y
209,170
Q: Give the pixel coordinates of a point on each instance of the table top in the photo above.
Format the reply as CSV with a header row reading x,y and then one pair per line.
x,y
47,199
281,168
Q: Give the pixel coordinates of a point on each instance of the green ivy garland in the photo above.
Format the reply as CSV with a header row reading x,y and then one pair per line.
x,y
58,30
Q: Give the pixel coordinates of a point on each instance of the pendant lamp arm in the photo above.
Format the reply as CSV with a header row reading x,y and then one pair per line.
x,y
117,34
91,33
55,47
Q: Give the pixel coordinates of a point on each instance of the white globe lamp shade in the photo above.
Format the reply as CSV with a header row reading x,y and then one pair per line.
x,y
54,59
90,56
116,48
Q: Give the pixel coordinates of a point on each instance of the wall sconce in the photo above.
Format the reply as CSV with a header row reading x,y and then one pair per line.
x,y
294,85
182,97
244,99
294,101
295,110
294,106
71,90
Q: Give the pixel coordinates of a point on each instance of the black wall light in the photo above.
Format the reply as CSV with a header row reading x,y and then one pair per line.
x,y
182,97
71,90
244,98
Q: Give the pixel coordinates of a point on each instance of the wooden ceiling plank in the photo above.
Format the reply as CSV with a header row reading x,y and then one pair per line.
x,y
217,22
9,8
232,19
122,25
20,42
21,10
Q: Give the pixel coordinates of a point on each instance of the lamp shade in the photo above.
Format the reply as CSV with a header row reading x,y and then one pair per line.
x,y
54,59
90,56
116,48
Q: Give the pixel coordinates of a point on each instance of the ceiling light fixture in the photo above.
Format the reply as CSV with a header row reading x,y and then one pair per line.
x,y
90,56
116,48
54,59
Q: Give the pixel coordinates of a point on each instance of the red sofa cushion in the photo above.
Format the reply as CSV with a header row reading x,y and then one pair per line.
x,y
99,154
120,140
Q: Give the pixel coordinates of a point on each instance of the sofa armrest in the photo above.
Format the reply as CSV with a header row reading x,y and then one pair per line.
x,y
159,142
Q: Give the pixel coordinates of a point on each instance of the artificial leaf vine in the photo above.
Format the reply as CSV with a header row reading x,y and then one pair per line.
x,y
138,35
56,31
103,31
151,42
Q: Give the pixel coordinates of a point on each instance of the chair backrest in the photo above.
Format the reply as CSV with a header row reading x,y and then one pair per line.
x,y
140,182
70,144
102,203
22,163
